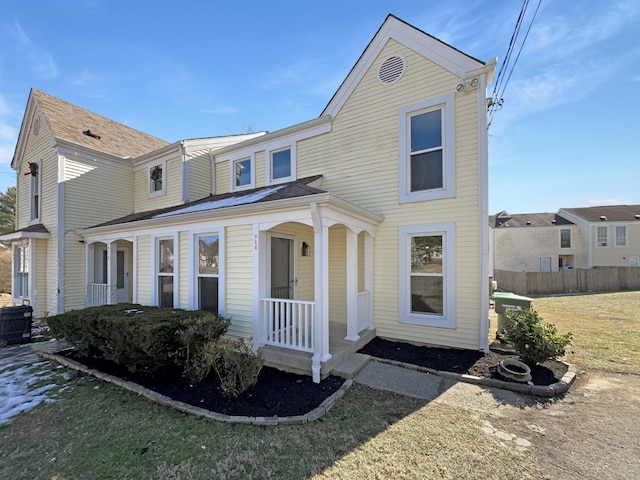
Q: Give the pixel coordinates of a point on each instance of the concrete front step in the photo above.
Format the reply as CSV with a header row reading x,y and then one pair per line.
x,y
351,366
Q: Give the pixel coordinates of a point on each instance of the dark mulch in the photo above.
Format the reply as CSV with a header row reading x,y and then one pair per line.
x,y
460,361
276,393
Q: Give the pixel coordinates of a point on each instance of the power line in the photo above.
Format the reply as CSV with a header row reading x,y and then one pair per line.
x,y
494,103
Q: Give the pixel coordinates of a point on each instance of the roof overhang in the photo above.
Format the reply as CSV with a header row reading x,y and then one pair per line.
x,y
23,235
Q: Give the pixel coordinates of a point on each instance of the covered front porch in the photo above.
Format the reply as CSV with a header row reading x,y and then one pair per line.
x,y
313,295
109,268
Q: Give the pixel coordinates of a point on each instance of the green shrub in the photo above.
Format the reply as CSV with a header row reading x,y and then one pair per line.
x,y
235,364
141,338
196,339
533,341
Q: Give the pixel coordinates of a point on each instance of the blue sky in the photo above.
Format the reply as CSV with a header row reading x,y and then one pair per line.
x,y
567,135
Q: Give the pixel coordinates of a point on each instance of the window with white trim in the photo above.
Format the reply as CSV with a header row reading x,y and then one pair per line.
x,y
242,174
281,165
427,150
36,186
21,270
165,268
620,236
427,275
565,238
157,179
208,271
602,236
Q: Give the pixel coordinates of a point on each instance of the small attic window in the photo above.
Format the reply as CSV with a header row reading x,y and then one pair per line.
x,y
391,69
89,133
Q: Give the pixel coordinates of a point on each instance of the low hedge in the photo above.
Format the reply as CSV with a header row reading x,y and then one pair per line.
x,y
140,338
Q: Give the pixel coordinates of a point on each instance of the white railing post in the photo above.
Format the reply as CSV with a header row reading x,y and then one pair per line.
x,y
288,323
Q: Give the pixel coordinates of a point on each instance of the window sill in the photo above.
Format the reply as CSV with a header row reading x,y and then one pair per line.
x,y
428,321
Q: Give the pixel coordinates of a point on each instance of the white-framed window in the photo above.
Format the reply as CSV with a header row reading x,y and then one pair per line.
x,y
281,165
620,236
207,270
427,149
427,275
243,174
602,236
157,179
565,238
36,187
165,269
21,267
634,261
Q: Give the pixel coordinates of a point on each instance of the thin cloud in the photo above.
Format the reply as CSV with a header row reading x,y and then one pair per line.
x,y
35,58
221,110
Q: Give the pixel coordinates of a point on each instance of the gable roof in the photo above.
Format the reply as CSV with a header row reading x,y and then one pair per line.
x,y
425,44
66,121
611,213
503,219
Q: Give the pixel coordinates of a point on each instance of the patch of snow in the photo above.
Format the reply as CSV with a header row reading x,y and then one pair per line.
x,y
225,202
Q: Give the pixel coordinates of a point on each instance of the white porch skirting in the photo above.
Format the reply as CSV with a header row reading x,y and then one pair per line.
x,y
288,323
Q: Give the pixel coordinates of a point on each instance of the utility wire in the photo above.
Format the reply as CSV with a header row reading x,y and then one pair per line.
x,y
497,98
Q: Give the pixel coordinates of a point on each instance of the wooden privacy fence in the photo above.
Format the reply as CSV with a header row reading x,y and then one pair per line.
x,y
599,279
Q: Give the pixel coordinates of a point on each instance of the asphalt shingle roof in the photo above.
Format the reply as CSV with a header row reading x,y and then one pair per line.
x,y
528,220
612,213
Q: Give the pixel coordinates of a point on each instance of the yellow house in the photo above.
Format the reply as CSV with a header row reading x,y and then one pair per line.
x,y
368,220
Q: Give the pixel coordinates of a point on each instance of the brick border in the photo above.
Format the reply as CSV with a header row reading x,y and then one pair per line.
x,y
314,414
549,391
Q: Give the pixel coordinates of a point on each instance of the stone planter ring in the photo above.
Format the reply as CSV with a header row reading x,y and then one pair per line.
x,y
515,370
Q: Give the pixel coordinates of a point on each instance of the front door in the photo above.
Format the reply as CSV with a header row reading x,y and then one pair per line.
x,y
122,275
282,267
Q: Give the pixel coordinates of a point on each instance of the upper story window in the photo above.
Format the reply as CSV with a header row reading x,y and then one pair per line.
x,y
427,150
157,179
565,238
602,236
242,174
281,165
36,186
620,237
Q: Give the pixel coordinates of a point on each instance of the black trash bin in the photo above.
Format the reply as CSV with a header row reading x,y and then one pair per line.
x,y
15,324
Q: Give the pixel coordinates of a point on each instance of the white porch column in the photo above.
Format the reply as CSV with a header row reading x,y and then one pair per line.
x,y
368,274
321,293
112,270
352,286
259,285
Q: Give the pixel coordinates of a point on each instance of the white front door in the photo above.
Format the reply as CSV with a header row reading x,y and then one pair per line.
x,y
545,264
282,266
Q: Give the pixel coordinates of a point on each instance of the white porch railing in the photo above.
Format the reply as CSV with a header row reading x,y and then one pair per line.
x,y
288,323
364,310
100,294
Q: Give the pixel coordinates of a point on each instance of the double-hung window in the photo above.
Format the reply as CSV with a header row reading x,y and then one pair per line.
x,y
21,270
620,236
281,166
208,271
165,258
157,179
36,186
565,238
427,275
242,174
602,236
427,150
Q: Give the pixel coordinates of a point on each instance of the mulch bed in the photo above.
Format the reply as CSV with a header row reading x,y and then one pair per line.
x,y
276,393
460,361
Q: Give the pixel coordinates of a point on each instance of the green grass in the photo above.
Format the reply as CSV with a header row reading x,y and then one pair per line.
x,y
98,431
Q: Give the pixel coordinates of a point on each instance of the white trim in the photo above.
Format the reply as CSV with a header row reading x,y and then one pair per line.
x,y
615,236
37,180
483,194
608,239
446,104
232,176
60,232
163,191
193,269
448,318
269,163
155,298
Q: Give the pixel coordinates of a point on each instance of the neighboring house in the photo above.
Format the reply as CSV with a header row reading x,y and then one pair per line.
x,y
370,219
589,237
609,235
532,242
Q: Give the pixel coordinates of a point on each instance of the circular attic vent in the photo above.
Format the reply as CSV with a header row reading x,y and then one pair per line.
x,y
391,69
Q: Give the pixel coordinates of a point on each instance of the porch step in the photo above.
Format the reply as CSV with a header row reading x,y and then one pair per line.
x,y
351,366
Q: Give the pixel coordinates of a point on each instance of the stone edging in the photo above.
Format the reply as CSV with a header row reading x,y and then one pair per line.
x,y
552,390
314,414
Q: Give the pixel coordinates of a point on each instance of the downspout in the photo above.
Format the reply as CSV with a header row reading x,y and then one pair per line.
x,y
483,191
212,158
60,235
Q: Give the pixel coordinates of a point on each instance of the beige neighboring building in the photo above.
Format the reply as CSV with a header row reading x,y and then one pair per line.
x,y
370,219
609,235
533,242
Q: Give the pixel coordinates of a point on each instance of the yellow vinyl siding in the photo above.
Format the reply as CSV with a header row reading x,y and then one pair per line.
x,y
338,275
183,280
144,270
223,179
39,270
239,279
200,180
